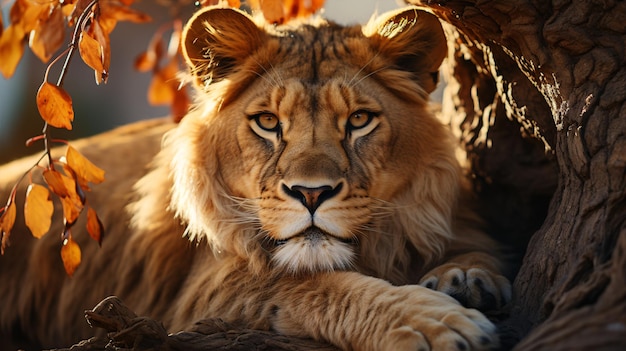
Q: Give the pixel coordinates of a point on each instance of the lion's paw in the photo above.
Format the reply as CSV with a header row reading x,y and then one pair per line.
x,y
444,325
473,287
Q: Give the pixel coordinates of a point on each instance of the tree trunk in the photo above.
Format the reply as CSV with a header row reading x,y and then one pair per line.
x,y
554,70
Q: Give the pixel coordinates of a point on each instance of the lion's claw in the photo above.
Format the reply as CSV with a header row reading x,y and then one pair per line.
x,y
439,323
473,287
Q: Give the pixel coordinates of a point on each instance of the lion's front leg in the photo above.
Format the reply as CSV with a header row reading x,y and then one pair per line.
x,y
357,312
473,279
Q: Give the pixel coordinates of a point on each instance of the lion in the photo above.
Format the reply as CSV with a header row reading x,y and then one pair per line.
x,y
309,191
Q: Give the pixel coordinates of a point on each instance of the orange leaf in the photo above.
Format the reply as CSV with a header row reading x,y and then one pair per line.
x,y
280,11
65,188
55,181
73,203
17,10
11,49
120,12
68,10
314,6
83,184
180,105
76,10
70,254
7,220
48,35
90,51
231,3
161,90
71,210
38,210
145,61
102,36
26,13
94,226
55,106
173,47
273,11
84,169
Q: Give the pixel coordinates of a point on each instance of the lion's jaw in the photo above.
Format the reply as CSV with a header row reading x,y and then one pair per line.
x,y
313,250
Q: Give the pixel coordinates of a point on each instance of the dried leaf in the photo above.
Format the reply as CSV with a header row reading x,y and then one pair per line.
x,y
11,50
17,10
55,181
7,220
119,12
315,5
85,170
145,61
91,51
55,106
67,190
148,60
281,11
273,11
94,226
76,10
26,13
163,85
70,254
173,48
68,9
301,8
180,105
231,3
102,36
38,210
48,35
73,203
82,184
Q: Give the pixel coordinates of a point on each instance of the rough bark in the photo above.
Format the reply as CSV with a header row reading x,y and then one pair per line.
x,y
537,91
556,71
126,331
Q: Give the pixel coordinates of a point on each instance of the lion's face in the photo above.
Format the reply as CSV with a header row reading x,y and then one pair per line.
x,y
308,141
320,159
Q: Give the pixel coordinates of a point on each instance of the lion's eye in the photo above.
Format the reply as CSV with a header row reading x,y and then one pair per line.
x,y
360,119
267,121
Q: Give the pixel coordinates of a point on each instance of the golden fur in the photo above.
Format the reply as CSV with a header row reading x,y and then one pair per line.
x,y
312,182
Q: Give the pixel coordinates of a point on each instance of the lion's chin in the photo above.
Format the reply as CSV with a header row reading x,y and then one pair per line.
x,y
313,250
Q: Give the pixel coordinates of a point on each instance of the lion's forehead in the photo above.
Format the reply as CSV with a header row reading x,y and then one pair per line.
x,y
318,53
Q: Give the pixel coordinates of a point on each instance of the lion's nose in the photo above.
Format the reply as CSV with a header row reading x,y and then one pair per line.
x,y
312,198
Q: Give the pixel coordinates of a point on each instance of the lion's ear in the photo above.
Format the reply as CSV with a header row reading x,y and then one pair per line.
x,y
216,39
413,40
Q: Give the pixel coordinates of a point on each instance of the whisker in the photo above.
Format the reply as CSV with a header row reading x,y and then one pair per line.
x,y
350,84
273,79
370,74
264,77
366,229
277,77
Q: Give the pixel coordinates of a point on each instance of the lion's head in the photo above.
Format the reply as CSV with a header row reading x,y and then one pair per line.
x,y
312,147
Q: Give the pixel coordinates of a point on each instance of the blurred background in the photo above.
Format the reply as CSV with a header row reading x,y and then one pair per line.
x,y
123,98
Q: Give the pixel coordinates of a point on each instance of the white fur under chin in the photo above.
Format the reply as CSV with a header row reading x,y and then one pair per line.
x,y
303,254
